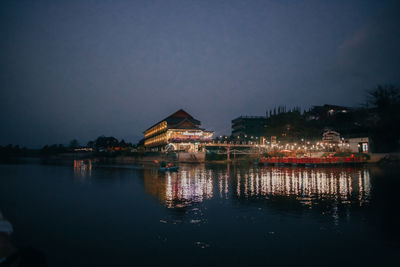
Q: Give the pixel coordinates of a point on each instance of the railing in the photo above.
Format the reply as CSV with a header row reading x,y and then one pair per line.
x,y
199,139
224,143
316,161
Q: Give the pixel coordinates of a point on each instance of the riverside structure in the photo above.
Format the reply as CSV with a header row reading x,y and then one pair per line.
x,y
177,132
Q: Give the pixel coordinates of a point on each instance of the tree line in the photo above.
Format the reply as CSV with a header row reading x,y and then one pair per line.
x,y
101,143
378,118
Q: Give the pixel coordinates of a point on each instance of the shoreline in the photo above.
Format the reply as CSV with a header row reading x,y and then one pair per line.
x,y
374,158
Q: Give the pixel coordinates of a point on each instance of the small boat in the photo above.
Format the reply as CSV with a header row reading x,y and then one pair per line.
x,y
169,169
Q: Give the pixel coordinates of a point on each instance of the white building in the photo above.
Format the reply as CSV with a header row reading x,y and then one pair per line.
x,y
359,144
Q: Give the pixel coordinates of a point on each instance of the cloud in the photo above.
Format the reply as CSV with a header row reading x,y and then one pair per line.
x,y
372,53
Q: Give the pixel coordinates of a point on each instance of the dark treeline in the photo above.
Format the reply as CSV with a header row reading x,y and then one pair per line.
x,y
103,142
100,144
282,109
383,117
15,150
378,118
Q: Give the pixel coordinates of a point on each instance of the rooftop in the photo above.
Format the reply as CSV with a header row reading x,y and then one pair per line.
x,y
177,119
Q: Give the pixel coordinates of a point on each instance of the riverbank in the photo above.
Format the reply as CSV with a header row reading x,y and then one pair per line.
x,y
182,157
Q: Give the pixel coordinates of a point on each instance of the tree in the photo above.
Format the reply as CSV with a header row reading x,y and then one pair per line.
x,y
384,97
122,143
74,144
90,144
104,142
385,102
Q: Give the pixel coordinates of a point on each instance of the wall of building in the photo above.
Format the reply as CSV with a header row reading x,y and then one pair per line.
x,y
355,144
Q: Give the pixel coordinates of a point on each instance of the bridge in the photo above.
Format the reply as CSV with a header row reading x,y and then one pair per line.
x,y
252,147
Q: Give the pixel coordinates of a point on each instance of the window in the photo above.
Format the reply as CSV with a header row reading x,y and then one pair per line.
x,y
364,147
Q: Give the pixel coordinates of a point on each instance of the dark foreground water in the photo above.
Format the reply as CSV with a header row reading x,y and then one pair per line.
x,y
204,215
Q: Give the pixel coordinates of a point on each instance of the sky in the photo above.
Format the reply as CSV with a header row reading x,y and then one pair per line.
x,y
81,69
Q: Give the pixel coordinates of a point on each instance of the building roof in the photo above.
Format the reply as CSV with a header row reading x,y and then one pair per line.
x,y
179,120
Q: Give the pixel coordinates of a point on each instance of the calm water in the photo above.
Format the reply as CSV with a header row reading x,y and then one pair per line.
x,y
204,215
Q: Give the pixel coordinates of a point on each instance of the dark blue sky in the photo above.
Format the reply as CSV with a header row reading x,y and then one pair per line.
x,y
80,69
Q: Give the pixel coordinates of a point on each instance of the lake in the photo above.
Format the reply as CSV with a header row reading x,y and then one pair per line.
x,y
204,215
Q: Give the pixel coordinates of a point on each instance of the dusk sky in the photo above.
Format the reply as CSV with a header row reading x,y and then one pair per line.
x,y
81,69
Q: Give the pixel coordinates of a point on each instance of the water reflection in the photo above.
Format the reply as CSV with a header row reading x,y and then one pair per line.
x,y
179,189
83,168
306,185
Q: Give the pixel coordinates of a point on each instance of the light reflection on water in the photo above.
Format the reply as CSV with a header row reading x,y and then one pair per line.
x,y
249,215
307,185
83,168
182,188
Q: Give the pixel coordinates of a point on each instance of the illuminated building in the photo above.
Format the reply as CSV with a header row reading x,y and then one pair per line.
x,y
179,131
331,137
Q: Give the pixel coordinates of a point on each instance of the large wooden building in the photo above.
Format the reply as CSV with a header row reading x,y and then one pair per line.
x,y
179,131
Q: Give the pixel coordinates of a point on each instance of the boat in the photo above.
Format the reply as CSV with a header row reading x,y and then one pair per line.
x,y
169,169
